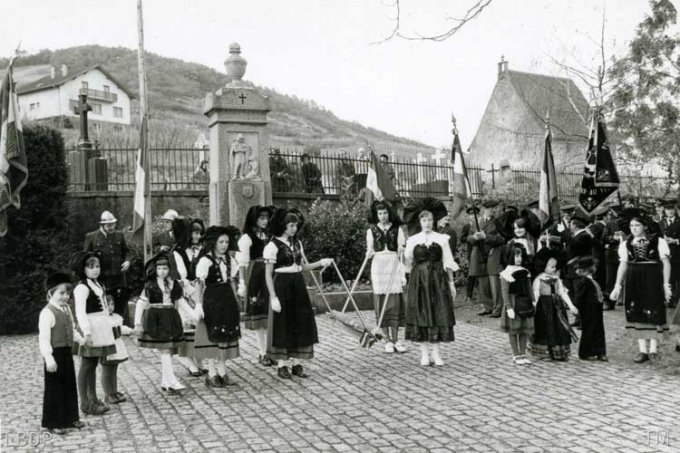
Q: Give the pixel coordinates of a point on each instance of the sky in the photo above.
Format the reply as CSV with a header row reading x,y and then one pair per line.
x,y
328,50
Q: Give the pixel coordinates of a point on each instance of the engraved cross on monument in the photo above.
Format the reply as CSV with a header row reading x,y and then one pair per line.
x,y
239,143
81,109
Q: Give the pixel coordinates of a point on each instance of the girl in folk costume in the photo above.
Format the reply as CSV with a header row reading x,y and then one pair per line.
x,y
182,269
57,336
291,332
431,289
517,319
110,363
193,250
644,280
217,331
157,321
520,228
589,297
552,333
385,244
252,285
92,314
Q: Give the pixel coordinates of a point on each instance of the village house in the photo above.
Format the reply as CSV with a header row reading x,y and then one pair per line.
x,y
55,96
512,129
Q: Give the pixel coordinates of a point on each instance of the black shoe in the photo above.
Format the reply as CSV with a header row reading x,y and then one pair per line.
x,y
654,356
203,371
486,312
641,358
57,431
215,381
284,373
78,424
122,397
602,358
101,404
171,391
299,371
226,382
495,314
677,348
266,361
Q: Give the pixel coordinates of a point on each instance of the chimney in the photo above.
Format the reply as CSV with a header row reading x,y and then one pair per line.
x,y
502,67
64,70
53,72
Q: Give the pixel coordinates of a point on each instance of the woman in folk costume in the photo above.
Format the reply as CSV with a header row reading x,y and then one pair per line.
x,y
292,331
252,285
193,250
431,290
92,313
552,333
157,320
183,271
517,318
385,244
644,280
56,338
218,330
520,228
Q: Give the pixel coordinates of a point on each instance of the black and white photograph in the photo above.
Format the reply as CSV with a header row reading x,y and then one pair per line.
x,y
340,226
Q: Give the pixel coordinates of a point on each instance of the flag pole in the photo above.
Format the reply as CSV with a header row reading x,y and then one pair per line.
x,y
454,131
143,110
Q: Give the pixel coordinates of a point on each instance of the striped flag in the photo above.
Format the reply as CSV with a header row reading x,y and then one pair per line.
x,y
462,190
142,183
548,202
378,181
13,169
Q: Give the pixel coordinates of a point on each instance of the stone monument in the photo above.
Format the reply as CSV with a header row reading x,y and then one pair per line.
x,y
239,140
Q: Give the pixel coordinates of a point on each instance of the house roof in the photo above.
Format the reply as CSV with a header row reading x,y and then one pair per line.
x,y
558,95
48,82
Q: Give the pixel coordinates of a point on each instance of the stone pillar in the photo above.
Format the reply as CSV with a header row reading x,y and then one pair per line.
x,y
239,144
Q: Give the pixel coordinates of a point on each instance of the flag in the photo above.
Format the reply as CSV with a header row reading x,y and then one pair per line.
x,y
13,169
548,202
461,183
142,183
600,182
378,181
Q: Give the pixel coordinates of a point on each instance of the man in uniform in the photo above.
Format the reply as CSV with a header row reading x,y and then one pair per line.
x,y
485,261
580,245
464,234
163,241
115,260
670,230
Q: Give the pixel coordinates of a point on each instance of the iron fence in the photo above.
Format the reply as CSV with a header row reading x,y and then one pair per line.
x,y
333,172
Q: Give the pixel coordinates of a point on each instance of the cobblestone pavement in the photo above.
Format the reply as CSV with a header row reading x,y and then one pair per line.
x,y
368,401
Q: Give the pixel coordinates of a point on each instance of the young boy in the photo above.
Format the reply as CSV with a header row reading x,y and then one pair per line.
x,y
589,298
57,336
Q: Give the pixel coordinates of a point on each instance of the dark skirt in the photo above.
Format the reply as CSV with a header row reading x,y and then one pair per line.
x,y
221,312
429,305
644,300
162,327
550,339
60,401
256,310
592,334
292,332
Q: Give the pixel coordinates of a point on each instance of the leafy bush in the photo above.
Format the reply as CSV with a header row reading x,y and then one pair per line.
x,y
337,230
36,242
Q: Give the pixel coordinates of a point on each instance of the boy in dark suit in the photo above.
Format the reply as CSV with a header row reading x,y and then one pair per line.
x,y
670,230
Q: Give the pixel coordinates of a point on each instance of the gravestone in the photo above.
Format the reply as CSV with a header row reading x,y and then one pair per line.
x,y
239,143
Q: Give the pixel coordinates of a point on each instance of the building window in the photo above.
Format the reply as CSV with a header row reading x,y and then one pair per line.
x,y
84,85
118,128
118,112
97,109
107,89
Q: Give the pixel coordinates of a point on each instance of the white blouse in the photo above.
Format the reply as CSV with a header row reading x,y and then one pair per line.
x,y
271,250
662,248
428,238
80,294
370,240
203,268
45,323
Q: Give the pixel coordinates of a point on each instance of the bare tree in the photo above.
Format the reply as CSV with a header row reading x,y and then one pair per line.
x,y
459,22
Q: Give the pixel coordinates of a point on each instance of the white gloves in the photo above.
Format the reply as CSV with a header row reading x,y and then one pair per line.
x,y
511,313
325,262
616,293
198,312
276,304
50,364
241,288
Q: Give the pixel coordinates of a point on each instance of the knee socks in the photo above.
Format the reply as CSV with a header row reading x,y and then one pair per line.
x,y
261,336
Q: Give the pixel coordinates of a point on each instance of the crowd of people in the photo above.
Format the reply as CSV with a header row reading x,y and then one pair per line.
x,y
204,285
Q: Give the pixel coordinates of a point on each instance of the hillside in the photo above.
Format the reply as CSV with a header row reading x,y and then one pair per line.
x,y
177,89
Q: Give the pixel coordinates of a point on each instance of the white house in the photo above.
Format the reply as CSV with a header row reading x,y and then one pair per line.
x,y
56,95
